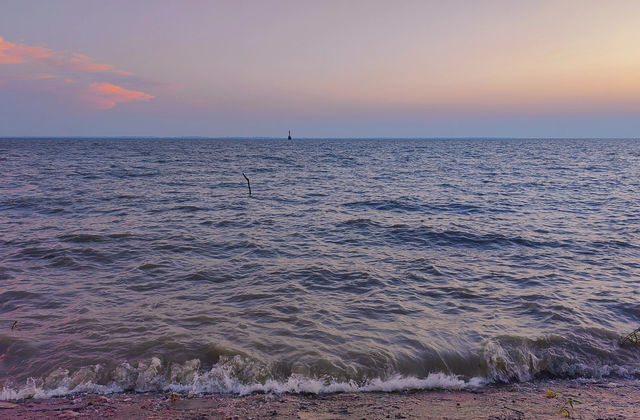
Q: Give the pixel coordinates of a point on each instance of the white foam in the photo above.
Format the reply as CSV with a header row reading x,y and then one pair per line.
x,y
232,376
32,390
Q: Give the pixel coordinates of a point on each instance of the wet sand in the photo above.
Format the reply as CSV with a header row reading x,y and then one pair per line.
x,y
612,400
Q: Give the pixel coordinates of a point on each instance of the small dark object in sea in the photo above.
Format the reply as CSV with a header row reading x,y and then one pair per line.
x,y
248,183
14,325
632,338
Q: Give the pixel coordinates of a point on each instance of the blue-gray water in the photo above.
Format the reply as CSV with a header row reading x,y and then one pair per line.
x,y
144,264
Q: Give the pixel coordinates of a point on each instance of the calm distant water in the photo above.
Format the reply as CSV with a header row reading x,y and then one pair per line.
x,y
144,264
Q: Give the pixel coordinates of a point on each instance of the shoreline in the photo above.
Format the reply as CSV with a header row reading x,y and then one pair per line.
x,y
598,400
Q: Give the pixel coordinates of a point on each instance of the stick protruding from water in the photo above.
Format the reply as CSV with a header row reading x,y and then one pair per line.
x,y
248,183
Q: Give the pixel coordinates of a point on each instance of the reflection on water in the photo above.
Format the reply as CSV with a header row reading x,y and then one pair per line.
x,y
144,264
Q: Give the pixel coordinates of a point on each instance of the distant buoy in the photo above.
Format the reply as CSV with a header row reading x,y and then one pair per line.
x,y
289,134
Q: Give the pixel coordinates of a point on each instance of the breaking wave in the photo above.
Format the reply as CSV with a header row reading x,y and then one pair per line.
x,y
233,375
503,360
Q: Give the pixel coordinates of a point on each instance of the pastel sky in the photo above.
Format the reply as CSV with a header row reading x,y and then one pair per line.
x,y
356,68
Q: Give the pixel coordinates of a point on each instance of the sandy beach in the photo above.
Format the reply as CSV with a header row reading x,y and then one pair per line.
x,y
607,400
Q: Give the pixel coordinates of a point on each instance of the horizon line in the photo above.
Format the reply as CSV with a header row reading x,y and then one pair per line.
x,y
316,138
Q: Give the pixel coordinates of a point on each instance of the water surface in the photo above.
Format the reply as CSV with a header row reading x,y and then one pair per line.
x,y
373,264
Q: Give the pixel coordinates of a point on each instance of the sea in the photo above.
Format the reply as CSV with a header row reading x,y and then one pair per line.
x,y
144,264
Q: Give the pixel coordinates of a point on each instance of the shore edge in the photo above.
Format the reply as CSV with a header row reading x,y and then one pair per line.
x,y
599,400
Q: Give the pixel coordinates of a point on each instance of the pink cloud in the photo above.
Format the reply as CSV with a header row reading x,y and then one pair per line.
x,y
18,53
85,63
107,95
40,63
25,77
11,53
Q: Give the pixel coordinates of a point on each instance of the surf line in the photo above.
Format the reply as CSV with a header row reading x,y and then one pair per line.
x,y
248,183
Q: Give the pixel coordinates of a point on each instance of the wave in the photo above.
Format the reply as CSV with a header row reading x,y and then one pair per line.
x,y
503,360
410,205
225,377
428,236
511,359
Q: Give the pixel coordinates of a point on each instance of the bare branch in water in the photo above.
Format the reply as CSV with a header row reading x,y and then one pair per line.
x,y
248,183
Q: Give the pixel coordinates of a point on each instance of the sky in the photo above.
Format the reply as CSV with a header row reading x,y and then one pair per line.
x,y
349,68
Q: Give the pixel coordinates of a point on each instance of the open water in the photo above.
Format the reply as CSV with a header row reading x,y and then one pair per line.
x,y
143,264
